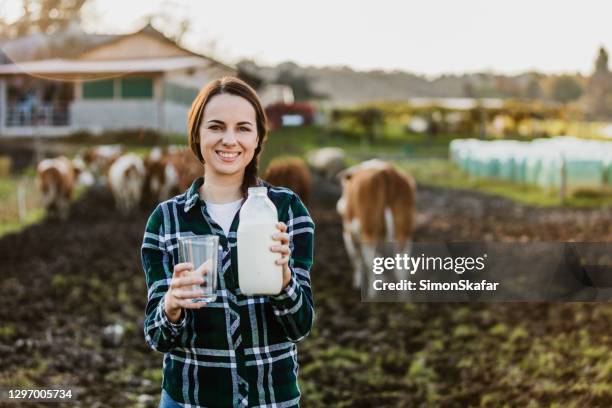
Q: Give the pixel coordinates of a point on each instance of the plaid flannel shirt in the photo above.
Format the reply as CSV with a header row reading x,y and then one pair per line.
x,y
239,350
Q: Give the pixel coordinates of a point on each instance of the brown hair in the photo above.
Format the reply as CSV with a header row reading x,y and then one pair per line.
x,y
232,86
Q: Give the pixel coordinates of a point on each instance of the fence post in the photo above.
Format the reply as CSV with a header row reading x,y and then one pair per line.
x,y
563,185
21,202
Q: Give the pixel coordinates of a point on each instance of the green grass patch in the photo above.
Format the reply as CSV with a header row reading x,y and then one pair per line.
x,y
9,203
393,145
444,173
422,156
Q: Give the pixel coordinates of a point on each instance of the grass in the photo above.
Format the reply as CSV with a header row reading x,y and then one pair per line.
x,y
9,207
10,221
444,173
422,156
297,141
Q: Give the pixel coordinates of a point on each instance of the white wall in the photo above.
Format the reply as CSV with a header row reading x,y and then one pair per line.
x,y
98,115
175,117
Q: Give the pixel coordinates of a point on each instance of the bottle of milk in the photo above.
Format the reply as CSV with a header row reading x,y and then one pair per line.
x,y
258,273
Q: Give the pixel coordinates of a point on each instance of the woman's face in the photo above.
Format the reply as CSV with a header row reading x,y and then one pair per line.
x,y
228,134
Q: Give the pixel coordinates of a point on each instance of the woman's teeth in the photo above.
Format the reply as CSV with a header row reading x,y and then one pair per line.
x,y
228,155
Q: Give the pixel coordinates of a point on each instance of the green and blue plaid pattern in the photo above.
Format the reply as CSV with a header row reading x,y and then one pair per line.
x,y
239,350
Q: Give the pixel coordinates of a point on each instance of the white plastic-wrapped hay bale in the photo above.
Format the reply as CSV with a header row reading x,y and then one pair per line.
x,y
510,154
551,163
460,150
455,148
585,162
549,175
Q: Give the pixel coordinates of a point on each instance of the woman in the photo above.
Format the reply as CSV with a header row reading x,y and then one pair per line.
x,y
238,350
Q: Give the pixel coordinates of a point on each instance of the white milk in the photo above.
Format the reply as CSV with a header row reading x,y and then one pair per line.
x,y
257,272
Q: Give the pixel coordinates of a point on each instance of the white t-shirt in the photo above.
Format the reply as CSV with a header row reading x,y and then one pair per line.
x,y
223,214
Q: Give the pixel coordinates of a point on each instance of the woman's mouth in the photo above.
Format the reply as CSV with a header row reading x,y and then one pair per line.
x,y
227,157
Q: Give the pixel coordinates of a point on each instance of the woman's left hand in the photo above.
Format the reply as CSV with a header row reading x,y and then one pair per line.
x,y
283,249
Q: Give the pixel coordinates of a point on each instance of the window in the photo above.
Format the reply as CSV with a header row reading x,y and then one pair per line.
x,y
137,88
179,94
98,89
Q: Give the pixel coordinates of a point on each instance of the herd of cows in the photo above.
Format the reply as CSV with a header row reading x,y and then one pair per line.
x,y
377,203
165,172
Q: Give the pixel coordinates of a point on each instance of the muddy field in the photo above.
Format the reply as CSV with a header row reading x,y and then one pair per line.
x,y
63,283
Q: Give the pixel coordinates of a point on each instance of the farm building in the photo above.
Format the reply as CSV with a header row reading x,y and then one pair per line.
x,y
99,83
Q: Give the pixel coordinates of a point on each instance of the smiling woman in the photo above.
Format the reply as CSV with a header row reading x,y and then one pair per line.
x,y
227,141
227,119
238,350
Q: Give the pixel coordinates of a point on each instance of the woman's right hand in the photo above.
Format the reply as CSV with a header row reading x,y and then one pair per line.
x,y
181,290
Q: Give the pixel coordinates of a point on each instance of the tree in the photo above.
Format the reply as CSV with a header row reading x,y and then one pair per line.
x,y
601,64
566,89
300,85
598,93
468,90
174,26
533,89
43,16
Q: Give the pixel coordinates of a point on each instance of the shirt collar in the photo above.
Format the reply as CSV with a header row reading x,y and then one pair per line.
x,y
192,195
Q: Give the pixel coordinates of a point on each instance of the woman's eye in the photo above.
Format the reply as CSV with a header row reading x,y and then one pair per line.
x,y
214,127
244,129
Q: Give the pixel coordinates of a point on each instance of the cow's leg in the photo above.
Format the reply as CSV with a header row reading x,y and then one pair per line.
x,y
389,225
129,199
353,254
368,252
403,248
62,207
126,203
122,203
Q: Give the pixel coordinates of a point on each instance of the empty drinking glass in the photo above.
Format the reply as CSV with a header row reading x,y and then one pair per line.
x,y
202,252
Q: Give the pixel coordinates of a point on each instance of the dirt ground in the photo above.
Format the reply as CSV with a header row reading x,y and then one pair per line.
x,y
62,283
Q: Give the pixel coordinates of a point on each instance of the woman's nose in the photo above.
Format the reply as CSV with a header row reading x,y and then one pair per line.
x,y
229,138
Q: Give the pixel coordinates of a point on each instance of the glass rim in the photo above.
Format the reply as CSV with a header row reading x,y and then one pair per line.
x,y
200,238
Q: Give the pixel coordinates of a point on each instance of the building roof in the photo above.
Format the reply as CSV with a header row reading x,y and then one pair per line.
x,y
71,66
66,43
65,54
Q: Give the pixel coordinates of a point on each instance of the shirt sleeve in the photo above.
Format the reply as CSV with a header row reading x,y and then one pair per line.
x,y
160,333
294,306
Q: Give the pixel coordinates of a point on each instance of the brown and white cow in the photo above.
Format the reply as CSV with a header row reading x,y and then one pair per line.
x,y
290,172
162,177
98,160
55,179
170,170
377,207
187,166
126,178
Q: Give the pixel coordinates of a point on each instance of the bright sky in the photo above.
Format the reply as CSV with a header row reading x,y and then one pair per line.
x,y
427,37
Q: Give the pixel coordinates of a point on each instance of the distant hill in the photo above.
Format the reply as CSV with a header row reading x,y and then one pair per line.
x,y
344,86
